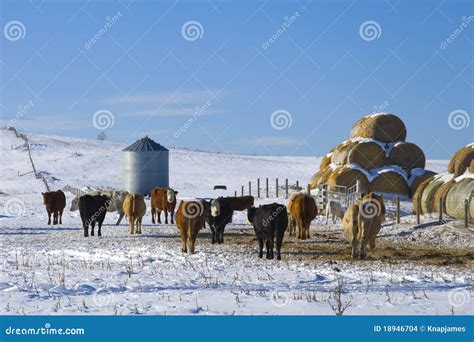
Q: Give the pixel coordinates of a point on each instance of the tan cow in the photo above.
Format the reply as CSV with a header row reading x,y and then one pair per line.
x,y
162,199
302,210
189,220
362,222
135,208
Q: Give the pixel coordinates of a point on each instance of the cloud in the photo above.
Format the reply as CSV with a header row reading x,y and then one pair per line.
x,y
272,141
166,98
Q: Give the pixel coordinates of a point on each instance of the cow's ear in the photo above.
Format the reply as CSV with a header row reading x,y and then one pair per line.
x,y
42,193
176,192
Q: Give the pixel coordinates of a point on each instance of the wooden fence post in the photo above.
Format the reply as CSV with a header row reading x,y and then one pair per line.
x,y
235,193
266,185
276,184
242,190
466,213
441,210
250,188
286,188
258,187
398,209
418,210
309,189
297,185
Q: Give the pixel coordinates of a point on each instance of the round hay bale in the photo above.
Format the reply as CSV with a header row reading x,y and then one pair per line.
x,y
390,182
407,155
461,160
456,196
416,196
346,176
427,198
441,193
381,126
341,152
419,180
325,162
368,155
320,177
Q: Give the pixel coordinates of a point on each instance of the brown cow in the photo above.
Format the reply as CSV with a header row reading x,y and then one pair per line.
x,y
135,208
241,202
55,202
362,222
189,220
302,210
163,199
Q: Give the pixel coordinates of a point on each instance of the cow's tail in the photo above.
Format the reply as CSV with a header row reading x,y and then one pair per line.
x,y
133,203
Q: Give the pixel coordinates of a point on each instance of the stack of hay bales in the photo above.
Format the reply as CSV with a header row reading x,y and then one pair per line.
x,y
452,187
377,156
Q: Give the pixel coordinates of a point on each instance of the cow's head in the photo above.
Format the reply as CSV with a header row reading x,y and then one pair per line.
x,y
171,195
215,208
251,213
74,204
46,197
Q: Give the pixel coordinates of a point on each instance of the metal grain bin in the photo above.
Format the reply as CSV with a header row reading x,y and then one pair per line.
x,y
145,166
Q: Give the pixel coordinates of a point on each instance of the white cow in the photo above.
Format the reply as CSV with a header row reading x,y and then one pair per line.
x,y
334,209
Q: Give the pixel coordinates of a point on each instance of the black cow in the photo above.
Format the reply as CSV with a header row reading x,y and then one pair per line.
x,y
220,214
92,210
269,220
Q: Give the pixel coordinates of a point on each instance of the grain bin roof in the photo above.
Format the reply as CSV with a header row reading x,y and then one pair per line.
x,y
145,145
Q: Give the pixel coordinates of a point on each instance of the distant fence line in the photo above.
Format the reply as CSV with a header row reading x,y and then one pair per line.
x,y
38,175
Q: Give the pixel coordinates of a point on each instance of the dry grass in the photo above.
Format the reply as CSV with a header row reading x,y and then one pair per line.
x,y
369,155
408,156
385,128
390,182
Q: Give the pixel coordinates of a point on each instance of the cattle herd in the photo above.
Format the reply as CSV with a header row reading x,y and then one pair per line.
x,y
361,222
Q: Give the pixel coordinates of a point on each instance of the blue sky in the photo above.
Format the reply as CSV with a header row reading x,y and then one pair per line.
x,y
309,62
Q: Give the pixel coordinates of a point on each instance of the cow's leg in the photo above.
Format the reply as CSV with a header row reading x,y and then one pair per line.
x,y
184,237
260,248
55,218
363,249
139,225
153,214
355,244
86,230
120,218
221,235
166,216
60,217
158,213
213,234
131,221
279,242
327,218
49,217
99,231
333,219
172,220
301,232
192,240
372,243
307,231
93,226
267,248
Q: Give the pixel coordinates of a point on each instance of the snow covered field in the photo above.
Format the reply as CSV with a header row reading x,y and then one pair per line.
x,y
424,270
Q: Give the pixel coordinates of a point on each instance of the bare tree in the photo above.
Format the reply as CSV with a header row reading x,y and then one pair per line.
x,y
335,300
102,136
